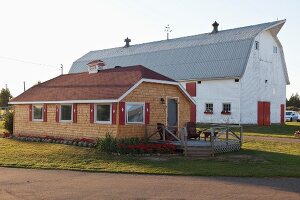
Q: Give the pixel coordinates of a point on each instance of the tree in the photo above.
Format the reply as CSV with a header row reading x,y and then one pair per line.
x,y
5,96
294,101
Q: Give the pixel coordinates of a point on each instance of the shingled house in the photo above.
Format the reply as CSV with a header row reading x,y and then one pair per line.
x,y
120,101
235,76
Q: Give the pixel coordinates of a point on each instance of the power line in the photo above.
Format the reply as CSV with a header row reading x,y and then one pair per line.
x,y
29,62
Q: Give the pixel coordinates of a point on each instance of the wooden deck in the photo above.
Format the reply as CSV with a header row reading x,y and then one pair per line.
x,y
223,139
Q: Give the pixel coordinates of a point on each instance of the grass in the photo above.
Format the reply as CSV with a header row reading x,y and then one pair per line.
x,y
1,127
257,159
285,131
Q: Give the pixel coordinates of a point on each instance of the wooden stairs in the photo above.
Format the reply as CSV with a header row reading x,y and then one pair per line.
x,y
197,151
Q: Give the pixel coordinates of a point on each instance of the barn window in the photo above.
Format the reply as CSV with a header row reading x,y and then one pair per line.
x,y
209,108
226,108
135,113
103,113
66,112
274,49
37,114
256,45
237,80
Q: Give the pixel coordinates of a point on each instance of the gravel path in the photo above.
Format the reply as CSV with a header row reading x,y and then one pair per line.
x,y
16,184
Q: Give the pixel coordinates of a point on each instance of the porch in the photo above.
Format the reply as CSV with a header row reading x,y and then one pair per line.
x,y
215,140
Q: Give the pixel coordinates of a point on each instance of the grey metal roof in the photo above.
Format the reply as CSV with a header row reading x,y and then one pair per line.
x,y
205,56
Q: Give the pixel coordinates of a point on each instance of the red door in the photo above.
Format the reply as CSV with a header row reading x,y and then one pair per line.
x,y
263,113
282,114
267,114
260,113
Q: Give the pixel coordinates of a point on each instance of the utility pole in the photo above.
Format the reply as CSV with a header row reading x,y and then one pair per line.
x,y
24,86
168,30
62,69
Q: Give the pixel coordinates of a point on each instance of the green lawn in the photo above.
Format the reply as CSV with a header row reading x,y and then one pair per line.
x,y
285,131
259,159
1,128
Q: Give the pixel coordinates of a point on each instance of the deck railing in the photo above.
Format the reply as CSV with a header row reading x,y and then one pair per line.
x,y
152,130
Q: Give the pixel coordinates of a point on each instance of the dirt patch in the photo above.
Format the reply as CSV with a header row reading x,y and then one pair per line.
x,y
273,139
242,158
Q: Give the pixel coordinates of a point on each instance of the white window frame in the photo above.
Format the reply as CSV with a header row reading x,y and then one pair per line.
x,y
37,120
135,103
110,113
223,107
71,113
212,107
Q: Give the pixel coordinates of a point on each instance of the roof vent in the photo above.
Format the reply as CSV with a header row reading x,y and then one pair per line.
x,y
127,40
215,25
117,66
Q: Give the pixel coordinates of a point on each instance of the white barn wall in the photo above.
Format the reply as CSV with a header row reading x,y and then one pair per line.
x,y
218,92
263,65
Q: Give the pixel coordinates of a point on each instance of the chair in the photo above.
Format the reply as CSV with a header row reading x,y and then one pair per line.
x,y
192,131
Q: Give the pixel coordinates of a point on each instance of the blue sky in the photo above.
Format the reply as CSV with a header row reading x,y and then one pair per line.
x,y
55,32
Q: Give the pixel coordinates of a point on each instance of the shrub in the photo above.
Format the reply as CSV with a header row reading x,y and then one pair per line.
x,y
107,144
8,122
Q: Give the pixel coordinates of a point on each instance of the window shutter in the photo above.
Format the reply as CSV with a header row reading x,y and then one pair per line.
x,y
30,112
193,113
147,113
75,113
45,112
114,113
191,88
92,113
57,113
121,113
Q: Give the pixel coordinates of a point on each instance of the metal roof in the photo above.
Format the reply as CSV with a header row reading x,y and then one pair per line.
x,y
219,55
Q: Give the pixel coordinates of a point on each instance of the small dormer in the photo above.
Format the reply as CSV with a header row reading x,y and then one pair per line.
x,y
95,66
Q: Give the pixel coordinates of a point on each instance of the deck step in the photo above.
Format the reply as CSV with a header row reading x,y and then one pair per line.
x,y
199,151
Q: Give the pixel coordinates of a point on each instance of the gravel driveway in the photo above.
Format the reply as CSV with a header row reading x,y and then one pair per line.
x,y
25,184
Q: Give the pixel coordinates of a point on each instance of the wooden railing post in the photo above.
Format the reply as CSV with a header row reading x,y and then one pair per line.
x,y
241,136
184,140
227,135
212,135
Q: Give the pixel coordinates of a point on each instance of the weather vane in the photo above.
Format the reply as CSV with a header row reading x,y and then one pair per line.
x,y
168,30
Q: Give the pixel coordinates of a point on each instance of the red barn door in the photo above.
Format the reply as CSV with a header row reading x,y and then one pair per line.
x,y
263,113
267,114
282,114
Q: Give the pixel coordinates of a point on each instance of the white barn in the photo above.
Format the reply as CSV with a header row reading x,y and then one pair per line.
x,y
235,76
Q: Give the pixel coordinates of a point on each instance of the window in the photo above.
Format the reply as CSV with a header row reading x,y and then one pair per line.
x,y
135,112
274,49
103,113
37,112
209,108
199,82
237,80
226,108
66,112
256,45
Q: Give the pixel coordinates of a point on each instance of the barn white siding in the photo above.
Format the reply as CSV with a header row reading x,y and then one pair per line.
x,y
218,92
263,80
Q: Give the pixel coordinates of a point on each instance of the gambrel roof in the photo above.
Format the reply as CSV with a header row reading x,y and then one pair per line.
x,y
206,56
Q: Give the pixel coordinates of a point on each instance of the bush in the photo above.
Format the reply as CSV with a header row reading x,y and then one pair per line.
x,y
131,146
107,144
8,122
